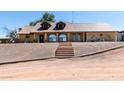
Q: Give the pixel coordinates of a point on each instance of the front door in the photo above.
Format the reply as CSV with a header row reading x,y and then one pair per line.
x,y
41,38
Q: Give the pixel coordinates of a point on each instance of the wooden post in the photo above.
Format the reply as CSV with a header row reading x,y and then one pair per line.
x,y
34,40
82,37
57,37
34,36
45,37
69,37
116,36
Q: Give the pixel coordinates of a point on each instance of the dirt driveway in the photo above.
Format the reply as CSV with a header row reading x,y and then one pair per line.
x,y
105,66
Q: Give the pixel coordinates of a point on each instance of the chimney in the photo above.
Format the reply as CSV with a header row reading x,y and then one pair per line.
x,y
20,29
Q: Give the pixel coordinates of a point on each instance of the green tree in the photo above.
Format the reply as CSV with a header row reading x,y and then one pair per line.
x,y
45,18
10,33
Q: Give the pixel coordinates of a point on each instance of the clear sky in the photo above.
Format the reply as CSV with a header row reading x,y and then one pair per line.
x,y
15,20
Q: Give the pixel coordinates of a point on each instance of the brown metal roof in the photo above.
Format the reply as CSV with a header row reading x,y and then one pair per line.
x,y
26,30
70,27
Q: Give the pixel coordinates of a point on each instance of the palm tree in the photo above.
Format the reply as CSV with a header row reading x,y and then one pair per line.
x,y
45,18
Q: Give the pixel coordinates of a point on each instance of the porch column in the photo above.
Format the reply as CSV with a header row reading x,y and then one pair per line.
x,y
85,37
82,35
34,40
45,37
68,37
34,36
116,36
57,37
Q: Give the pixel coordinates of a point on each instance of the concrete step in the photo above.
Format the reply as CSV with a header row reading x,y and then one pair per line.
x,y
62,50
62,57
69,55
64,53
65,50
65,47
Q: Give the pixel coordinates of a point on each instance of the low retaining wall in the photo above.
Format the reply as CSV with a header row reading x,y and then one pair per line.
x,y
15,53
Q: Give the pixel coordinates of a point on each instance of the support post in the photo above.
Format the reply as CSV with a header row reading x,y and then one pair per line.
x,y
45,37
69,37
116,36
34,40
85,37
57,37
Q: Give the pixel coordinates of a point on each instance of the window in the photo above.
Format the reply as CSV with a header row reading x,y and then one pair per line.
x,y
60,26
52,38
76,37
62,38
45,26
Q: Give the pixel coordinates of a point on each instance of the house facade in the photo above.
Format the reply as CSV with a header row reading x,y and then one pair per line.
x,y
68,32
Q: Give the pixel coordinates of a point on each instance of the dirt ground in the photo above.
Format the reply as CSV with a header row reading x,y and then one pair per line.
x,y
105,66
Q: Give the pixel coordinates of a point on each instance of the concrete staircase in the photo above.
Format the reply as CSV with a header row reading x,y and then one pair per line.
x,y
65,50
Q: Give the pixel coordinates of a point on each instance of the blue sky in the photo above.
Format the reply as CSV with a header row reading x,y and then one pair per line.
x,y
15,20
